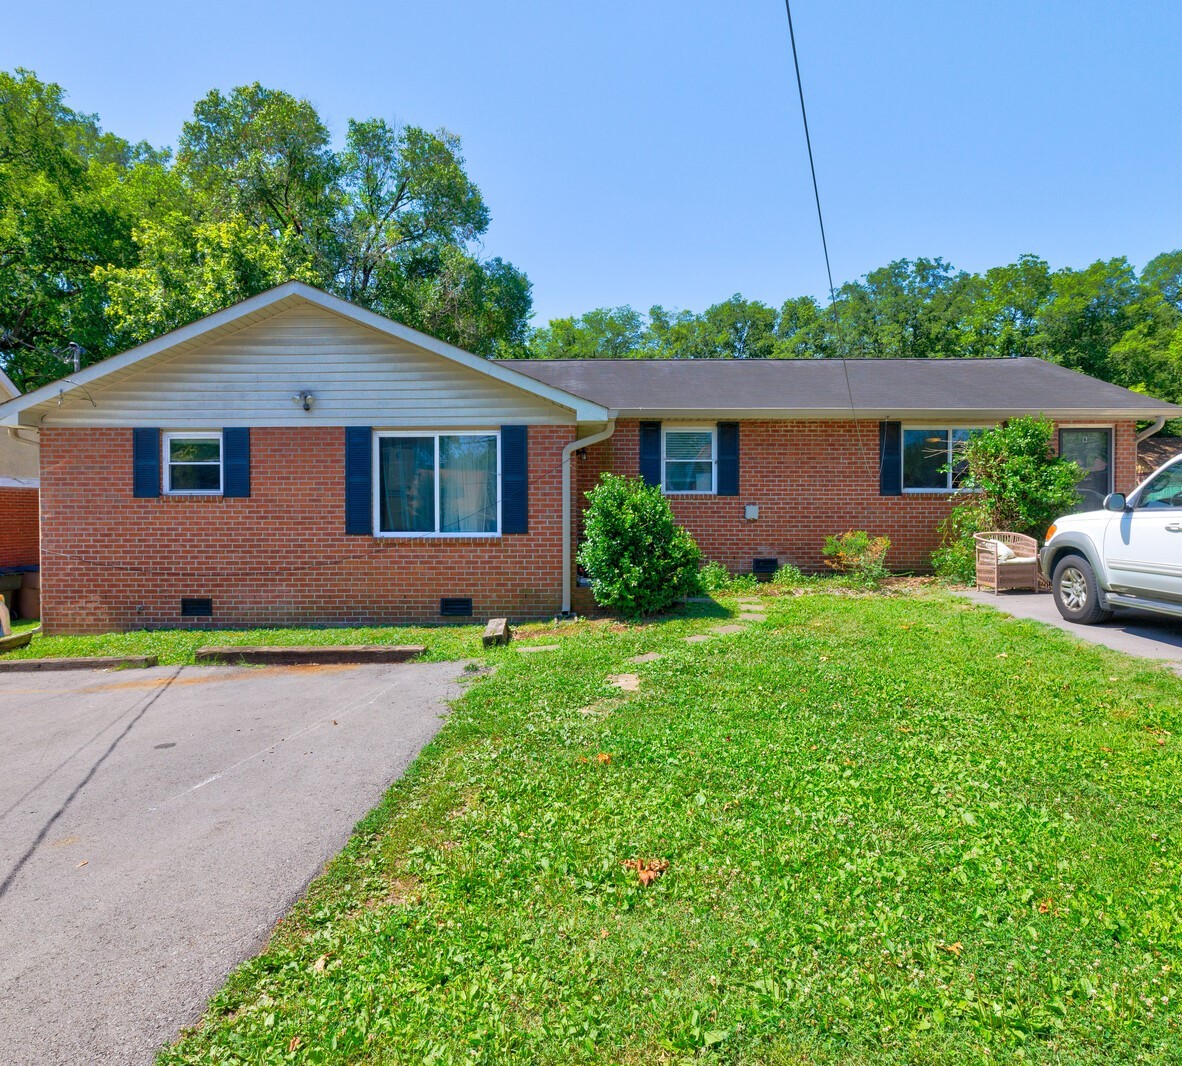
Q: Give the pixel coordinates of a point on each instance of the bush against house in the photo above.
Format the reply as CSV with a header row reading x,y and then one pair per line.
x,y
1022,486
639,559
858,555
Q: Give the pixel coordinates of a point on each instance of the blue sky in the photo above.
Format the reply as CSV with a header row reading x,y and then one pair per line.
x,y
651,152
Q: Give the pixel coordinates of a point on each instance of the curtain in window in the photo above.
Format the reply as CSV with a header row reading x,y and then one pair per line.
x,y
468,484
406,486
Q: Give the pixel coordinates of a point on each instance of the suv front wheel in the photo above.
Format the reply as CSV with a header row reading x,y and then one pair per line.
x,y
1076,593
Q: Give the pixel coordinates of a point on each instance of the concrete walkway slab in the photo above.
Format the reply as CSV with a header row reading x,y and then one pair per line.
x,y
155,824
1151,636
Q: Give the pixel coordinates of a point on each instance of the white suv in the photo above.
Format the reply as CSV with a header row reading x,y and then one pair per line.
x,y
1127,555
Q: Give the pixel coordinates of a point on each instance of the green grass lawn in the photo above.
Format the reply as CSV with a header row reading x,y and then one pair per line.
x,y
176,646
898,830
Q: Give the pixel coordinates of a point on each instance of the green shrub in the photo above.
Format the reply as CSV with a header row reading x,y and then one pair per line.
x,y
859,556
1022,487
639,560
789,576
714,577
956,560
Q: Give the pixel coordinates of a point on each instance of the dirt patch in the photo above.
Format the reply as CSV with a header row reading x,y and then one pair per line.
x,y
625,682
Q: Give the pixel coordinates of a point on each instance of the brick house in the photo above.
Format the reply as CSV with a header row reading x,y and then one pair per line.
x,y
296,459
19,472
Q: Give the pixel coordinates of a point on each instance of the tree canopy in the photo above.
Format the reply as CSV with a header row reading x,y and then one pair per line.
x,y
105,244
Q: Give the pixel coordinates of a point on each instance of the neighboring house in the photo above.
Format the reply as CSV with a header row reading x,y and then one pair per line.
x,y
298,459
19,473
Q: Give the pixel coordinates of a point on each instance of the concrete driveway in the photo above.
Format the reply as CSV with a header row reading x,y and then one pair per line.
x,y
1151,636
154,825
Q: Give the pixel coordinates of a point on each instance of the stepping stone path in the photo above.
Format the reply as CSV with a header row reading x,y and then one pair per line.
x,y
750,605
538,647
647,657
697,638
625,682
728,629
752,616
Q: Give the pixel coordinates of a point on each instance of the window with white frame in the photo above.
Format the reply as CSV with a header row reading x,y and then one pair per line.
x,y
192,463
933,459
689,455
441,483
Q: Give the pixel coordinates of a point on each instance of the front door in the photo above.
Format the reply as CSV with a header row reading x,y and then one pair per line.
x,y
1143,547
1091,451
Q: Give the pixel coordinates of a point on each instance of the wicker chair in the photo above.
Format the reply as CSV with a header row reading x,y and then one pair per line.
x,y
1020,572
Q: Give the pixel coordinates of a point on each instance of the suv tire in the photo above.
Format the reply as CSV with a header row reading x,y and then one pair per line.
x,y
1077,594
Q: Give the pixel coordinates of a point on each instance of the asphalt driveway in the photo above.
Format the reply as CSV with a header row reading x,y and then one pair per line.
x,y
1151,636
154,824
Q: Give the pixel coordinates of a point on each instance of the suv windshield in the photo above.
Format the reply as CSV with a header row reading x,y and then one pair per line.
x,y
1165,490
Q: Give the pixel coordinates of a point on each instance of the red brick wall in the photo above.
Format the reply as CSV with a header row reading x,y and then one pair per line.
x,y
110,561
809,479
280,557
18,527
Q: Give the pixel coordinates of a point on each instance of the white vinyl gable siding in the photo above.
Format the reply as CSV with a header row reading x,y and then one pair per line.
x,y
357,376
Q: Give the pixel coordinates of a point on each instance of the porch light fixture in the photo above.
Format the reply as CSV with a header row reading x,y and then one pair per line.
x,y
304,399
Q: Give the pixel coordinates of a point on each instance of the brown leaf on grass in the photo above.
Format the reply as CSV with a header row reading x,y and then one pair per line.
x,y
293,1043
603,757
647,870
319,965
952,949
1045,905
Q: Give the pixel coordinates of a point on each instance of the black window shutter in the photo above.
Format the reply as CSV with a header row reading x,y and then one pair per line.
x,y
650,452
514,479
359,481
728,459
146,462
236,462
890,458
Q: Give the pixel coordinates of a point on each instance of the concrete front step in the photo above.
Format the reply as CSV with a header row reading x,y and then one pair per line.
x,y
310,654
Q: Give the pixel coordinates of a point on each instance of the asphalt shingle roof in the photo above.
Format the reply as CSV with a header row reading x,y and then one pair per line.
x,y
818,387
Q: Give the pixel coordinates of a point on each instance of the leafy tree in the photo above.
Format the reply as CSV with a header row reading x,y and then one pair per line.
x,y
1164,273
61,215
404,190
1004,316
264,156
188,268
480,306
605,333
804,330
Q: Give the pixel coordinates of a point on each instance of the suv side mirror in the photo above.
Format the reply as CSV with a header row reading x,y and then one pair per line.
x,y
1115,501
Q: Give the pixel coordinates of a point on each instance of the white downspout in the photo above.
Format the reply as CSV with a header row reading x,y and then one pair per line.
x,y
567,561
1149,431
